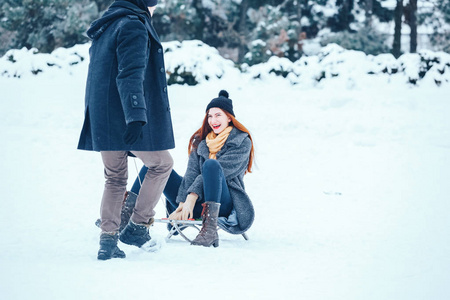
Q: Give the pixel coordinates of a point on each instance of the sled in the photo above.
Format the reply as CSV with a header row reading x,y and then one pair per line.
x,y
179,225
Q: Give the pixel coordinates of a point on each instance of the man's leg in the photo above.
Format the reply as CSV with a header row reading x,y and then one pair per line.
x,y
116,175
159,164
170,190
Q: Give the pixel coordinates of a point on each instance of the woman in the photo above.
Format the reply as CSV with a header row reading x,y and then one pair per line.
x,y
220,154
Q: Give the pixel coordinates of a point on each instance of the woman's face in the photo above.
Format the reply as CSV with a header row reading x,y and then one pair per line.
x,y
217,120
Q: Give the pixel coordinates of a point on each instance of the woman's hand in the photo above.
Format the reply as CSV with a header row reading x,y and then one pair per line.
x,y
187,210
176,214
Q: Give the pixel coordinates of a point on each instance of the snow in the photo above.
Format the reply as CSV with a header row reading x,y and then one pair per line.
x,y
390,3
350,189
328,10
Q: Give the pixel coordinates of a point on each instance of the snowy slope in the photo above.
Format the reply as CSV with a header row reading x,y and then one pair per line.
x,y
351,194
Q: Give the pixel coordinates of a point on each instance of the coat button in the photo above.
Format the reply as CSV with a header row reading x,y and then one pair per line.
x,y
165,89
159,50
161,70
135,103
134,97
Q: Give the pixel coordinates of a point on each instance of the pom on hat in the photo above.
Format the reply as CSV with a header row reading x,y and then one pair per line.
x,y
223,93
222,102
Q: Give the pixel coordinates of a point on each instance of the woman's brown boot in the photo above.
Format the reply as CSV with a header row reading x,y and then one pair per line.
x,y
208,234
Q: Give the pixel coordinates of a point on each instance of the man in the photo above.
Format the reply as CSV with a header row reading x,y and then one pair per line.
x,y
127,111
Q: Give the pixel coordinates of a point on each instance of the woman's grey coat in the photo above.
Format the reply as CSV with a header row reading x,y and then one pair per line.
x,y
234,158
126,82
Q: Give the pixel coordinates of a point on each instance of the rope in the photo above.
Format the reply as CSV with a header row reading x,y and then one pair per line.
x,y
139,178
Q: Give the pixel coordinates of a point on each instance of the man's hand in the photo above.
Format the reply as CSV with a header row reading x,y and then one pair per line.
x,y
133,132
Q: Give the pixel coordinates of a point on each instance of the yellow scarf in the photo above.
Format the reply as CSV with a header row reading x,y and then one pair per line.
x,y
216,141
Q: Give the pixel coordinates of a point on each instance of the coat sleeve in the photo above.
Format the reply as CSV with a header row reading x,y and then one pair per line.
x,y
192,181
131,51
234,160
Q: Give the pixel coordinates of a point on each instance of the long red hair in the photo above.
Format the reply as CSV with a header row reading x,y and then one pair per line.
x,y
203,131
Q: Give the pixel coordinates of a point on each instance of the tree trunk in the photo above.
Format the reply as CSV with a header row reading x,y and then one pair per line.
x,y
369,12
299,17
296,45
398,13
243,30
413,26
198,5
346,11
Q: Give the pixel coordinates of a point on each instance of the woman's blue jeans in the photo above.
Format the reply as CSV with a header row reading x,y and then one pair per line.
x,y
215,188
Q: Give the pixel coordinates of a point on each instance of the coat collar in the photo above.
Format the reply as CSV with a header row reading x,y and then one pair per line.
x,y
152,31
119,9
235,138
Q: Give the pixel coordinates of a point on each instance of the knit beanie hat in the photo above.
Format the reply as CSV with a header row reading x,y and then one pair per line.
x,y
222,102
151,3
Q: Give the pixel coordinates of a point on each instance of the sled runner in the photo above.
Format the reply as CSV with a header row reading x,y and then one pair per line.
x,y
179,225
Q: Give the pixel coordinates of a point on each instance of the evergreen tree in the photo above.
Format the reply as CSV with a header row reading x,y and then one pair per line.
x,y
102,5
344,17
444,37
315,20
437,16
242,29
279,30
46,24
367,39
373,8
368,7
178,20
444,7
200,10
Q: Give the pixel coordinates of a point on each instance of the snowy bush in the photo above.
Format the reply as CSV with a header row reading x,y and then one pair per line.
x,y
24,62
257,53
427,65
189,62
335,63
193,62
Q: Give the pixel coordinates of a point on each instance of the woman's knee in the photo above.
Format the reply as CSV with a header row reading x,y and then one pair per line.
x,y
211,165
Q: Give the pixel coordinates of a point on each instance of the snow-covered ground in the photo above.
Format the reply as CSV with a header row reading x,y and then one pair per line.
x,y
351,195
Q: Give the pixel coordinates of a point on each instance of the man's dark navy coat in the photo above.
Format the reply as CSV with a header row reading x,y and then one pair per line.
x,y
126,82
